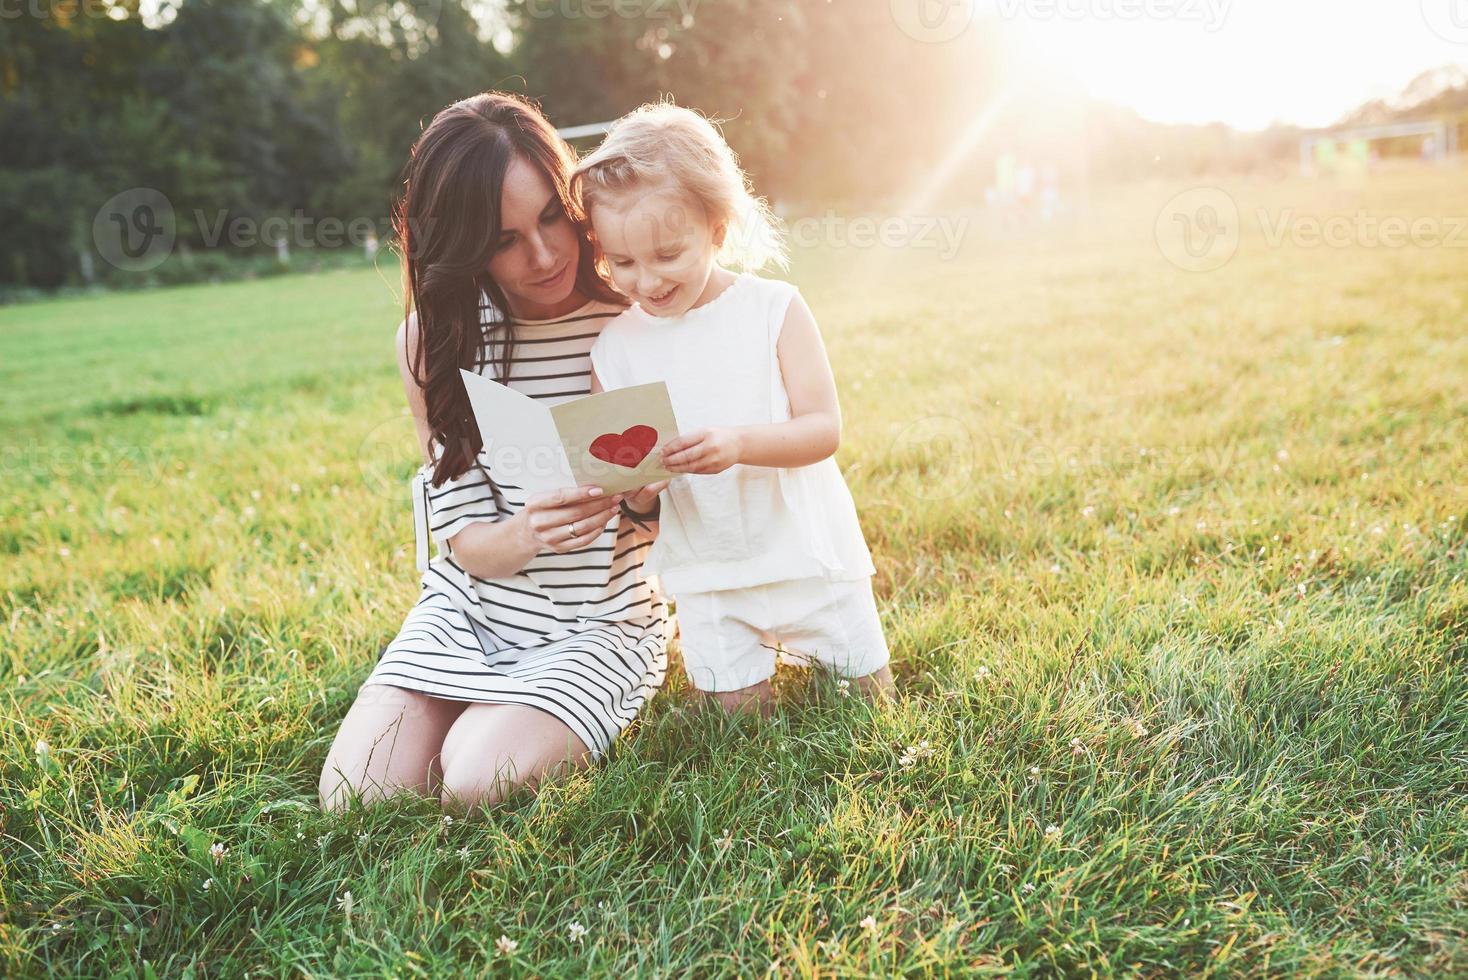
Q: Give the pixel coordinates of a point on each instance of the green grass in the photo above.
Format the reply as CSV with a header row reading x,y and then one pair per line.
x,y
1171,562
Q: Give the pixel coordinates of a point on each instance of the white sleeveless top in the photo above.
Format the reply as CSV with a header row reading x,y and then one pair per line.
x,y
749,525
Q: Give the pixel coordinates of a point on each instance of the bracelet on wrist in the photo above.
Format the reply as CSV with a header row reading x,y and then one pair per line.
x,y
638,518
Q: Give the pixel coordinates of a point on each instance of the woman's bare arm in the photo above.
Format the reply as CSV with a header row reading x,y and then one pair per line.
x,y
500,549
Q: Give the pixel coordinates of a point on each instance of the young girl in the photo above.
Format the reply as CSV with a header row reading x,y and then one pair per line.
x,y
758,539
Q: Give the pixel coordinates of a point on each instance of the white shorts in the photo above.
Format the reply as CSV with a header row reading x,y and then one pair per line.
x,y
730,637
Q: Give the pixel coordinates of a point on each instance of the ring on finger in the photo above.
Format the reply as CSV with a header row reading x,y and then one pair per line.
x,y
570,530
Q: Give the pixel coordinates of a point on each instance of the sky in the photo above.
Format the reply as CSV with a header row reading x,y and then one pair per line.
x,y
1246,63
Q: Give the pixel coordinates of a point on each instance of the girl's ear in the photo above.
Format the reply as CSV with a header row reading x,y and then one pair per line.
x,y
720,230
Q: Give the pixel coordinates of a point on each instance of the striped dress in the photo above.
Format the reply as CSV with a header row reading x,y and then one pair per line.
x,y
583,635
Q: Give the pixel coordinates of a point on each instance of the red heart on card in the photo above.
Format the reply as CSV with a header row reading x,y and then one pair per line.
x,y
628,449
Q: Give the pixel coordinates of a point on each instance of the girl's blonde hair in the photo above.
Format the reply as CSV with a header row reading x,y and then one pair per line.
x,y
661,143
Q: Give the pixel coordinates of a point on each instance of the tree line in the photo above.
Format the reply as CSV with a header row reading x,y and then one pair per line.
x,y
297,115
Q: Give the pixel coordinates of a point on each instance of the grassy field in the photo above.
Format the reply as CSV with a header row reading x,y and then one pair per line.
x,y
1172,564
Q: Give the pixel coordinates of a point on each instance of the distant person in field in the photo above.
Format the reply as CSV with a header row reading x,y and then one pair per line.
x,y
758,543
537,636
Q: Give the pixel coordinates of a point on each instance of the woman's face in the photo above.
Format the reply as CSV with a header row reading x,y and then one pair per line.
x,y
535,259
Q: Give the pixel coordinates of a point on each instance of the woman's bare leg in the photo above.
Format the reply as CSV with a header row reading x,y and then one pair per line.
x,y
389,742
492,749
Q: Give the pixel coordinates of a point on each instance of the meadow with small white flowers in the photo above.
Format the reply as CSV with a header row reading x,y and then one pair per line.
x,y
1172,564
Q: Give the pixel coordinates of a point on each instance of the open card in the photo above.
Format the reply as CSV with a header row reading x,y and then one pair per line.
x,y
612,439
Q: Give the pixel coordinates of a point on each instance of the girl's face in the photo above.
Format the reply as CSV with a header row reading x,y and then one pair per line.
x,y
659,247
535,259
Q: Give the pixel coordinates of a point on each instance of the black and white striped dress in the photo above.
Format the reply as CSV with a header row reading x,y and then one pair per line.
x,y
582,635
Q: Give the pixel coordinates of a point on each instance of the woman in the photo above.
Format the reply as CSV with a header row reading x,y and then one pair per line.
x,y
536,638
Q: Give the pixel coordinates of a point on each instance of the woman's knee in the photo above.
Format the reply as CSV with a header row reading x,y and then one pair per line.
x,y
388,742
483,782
495,750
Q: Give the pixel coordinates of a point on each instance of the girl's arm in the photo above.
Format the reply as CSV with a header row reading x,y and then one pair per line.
x,y
500,549
814,429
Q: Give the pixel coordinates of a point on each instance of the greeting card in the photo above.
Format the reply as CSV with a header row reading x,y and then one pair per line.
x,y
610,439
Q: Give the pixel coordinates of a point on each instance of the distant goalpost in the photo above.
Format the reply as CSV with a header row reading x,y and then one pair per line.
x,y
1443,137
569,133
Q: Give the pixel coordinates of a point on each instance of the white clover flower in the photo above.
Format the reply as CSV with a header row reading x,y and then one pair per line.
x,y
576,931
464,853
345,903
869,924
208,883
218,851
1052,832
505,945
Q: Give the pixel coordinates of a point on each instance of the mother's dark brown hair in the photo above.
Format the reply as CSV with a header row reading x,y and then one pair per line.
x,y
446,224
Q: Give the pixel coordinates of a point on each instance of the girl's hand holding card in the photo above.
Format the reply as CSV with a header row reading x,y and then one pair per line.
x,y
643,499
711,450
